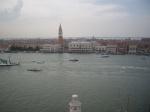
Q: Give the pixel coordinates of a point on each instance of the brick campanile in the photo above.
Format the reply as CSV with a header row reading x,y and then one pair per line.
x,y
60,39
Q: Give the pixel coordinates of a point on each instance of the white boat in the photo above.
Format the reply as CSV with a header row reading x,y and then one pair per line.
x,y
40,62
7,62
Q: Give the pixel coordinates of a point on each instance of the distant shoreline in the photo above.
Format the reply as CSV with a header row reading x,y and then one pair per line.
x,y
118,38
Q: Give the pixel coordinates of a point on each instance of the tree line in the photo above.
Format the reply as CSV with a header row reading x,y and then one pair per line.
x,y
19,48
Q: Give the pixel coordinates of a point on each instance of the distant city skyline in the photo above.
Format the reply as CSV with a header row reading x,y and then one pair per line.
x,y
79,18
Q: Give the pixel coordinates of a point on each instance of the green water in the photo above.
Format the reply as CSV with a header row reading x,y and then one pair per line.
x,y
103,84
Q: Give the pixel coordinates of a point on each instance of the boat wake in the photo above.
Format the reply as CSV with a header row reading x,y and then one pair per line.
x,y
127,67
134,67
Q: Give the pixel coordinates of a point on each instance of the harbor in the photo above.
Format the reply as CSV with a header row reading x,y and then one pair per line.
x,y
102,84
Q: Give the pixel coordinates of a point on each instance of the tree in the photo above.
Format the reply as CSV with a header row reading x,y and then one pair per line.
x,y
37,48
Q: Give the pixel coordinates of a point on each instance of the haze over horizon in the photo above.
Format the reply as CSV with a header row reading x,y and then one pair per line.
x,y
79,18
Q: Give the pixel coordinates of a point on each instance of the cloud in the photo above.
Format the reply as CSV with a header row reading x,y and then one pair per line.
x,y
11,14
58,8
41,18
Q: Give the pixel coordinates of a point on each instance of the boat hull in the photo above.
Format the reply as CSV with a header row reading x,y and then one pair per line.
x,y
9,64
34,70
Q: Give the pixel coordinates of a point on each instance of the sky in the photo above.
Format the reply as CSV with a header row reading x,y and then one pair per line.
x,y
78,18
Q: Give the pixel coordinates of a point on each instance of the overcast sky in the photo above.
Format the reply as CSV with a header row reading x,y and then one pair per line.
x,y
79,18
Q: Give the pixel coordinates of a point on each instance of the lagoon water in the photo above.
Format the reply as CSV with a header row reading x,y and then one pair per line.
x,y
103,84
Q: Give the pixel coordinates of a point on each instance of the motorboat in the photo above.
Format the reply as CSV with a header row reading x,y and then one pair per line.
x,y
34,70
40,62
106,56
7,62
75,59
33,61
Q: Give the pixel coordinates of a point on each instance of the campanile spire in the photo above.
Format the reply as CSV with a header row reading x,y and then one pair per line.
x,y
60,33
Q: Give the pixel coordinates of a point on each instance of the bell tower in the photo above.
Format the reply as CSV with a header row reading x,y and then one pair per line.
x,y
60,39
75,105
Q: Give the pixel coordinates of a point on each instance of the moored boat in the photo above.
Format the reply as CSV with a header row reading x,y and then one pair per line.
x,y
7,62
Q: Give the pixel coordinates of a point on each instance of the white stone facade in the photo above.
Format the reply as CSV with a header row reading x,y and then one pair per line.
x,y
101,49
132,48
95,43
80,47
111,48
49,48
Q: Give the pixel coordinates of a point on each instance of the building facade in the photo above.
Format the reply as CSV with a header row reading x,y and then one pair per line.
x,y
80,47
141,48
49,48
132,49
122,48
111,48
100,49
94,44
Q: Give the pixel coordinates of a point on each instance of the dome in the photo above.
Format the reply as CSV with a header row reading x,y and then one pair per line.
x,y
74,97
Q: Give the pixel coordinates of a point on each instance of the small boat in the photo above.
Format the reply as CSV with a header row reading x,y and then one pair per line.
x,y
40,62
34,70
106,56
7,62
73,59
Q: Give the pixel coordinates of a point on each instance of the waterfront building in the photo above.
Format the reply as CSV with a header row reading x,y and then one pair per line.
x,y
132,49
141,48
65,46
47,48
111,48
147,48
75,104
33,45
60,39
80,47
3,47
100,49
55,48
94,44
122,48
